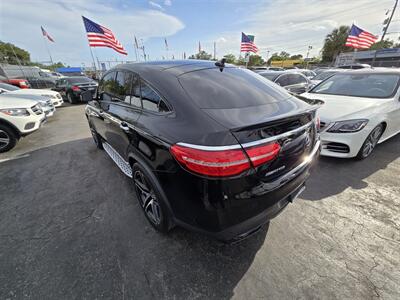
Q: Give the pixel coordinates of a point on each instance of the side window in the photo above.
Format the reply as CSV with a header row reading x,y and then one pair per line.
x,y
283,80
135,94
151,100
106,86
296,79
122,88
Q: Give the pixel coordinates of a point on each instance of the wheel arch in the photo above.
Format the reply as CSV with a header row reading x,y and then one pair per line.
x,y
132,159
12,126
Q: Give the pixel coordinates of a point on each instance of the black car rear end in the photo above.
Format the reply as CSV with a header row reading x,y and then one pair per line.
x,y
233,150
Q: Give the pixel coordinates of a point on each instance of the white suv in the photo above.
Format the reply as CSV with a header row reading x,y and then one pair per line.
x,y
17,119
54,96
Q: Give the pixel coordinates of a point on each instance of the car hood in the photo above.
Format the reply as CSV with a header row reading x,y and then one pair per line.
x,y
34,92
26,96
14,102
337,107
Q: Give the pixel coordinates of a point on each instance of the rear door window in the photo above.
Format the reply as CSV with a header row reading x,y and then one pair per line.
x,y
283,80
151,100
231,88
296,79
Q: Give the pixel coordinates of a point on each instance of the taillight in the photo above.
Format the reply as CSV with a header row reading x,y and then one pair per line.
x,y
211,163
221,163
75,88
263,153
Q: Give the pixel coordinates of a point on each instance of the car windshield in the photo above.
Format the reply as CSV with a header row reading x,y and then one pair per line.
x,y
79,80
324,75
8,87
270,76
359,85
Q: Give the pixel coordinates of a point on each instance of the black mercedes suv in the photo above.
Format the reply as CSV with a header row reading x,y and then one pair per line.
x,y
210,147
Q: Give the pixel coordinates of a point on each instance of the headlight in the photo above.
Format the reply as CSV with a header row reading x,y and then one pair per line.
x,y
348,126
15,112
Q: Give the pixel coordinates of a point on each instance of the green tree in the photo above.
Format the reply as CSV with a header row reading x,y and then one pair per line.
x,y
230,58
284,55
297,56
381,45
255,60
334,43
203,55
10,53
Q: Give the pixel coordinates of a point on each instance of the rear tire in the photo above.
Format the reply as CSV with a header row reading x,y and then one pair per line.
x,y
370,142
70,98
8,138
151,200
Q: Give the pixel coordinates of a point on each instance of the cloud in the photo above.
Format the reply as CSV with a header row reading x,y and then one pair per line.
x,y
156,5
293,25
62,20
167,2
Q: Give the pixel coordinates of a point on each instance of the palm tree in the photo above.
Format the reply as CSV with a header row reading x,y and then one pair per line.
x,y
334,43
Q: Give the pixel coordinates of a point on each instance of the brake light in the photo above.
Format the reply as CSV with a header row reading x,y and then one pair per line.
x,y
223,163
75,88
211,163
262,154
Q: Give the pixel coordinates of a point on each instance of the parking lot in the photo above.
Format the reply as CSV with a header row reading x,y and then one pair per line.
x,y
71,228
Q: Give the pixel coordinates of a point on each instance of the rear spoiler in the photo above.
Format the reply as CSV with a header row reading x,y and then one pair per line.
x,y
313,102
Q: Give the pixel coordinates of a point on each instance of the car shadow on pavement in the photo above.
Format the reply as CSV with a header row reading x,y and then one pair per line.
x,y
330,176
70,228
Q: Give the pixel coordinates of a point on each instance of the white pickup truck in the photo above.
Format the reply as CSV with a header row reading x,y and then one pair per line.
x,y
18,119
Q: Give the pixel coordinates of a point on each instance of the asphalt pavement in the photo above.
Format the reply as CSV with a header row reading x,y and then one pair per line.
x,y
71,228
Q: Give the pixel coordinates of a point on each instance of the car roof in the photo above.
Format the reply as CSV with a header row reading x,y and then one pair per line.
x,y
178,67
375,71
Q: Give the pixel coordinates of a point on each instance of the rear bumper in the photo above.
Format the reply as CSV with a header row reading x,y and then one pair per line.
x,y
234,209
250,226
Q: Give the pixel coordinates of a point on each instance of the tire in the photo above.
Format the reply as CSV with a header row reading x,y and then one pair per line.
x,y
370,142
8,138
150,199
70,98
96,137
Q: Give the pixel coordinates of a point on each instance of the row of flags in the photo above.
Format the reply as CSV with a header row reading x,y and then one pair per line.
x,y
101,36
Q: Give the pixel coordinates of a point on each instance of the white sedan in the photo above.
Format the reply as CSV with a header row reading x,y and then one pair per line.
x,y
361,109
54,96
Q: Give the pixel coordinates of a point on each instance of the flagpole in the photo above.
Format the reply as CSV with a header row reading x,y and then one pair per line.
x,y
48,50
134,46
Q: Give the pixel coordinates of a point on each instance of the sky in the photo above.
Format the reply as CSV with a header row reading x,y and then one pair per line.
x,y
279,25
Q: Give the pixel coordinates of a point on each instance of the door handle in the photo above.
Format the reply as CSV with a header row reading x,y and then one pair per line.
x,y
124,126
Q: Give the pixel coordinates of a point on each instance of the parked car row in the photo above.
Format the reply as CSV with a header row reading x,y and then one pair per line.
x,y
22,111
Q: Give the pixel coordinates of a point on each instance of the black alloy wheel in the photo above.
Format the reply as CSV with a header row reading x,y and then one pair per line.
x,y
150,199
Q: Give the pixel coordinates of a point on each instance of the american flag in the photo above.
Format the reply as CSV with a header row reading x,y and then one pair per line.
x,y
100,36
359,38
247,44
44,32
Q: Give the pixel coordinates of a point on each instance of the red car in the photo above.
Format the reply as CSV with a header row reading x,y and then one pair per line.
x,y
21,83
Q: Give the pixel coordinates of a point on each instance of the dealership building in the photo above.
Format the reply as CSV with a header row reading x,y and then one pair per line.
x,y
378,58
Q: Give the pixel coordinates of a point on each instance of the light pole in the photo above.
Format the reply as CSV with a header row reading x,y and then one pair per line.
x,y
308,53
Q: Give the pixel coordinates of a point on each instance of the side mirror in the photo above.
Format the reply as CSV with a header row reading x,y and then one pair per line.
x,y
86,96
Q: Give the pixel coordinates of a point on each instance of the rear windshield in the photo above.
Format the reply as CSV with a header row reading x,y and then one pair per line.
x,y
270,76
79,80
360,85
324,75
231,88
